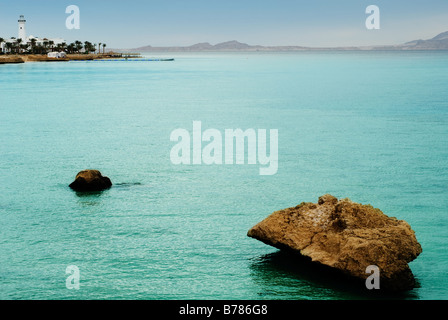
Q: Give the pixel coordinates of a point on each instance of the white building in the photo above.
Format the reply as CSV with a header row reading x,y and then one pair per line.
x,y
22,28
27,40
58,55
40,41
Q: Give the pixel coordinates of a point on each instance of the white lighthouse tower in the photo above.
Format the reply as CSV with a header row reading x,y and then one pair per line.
x,y
22,30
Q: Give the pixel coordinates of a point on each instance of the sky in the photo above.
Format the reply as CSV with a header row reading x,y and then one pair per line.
x,y
315,23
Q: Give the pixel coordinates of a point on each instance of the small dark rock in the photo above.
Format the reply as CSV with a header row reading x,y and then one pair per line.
x,y
90,180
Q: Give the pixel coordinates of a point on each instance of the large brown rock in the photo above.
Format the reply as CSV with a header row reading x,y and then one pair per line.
x,y
90,180
346,236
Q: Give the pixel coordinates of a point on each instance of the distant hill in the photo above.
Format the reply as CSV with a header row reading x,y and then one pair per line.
x,y
442,36
224,46
232,45
439,42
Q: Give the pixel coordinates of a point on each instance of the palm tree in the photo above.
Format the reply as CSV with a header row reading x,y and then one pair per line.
x,y
63,46
18,42
71,47
89,47
24,47
104,47
78,45
45,43
39,48
99,47
1,41
33,45
9,46
51,43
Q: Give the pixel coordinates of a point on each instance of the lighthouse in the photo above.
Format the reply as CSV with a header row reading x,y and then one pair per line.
x,y
22,30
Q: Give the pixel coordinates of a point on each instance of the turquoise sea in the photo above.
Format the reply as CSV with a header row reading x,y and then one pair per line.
x,y
370,126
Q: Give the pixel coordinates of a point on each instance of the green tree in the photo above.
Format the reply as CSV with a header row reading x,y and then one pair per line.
x,y
45,43
18,42
33,45
71,47
51,44
24,48
104,47
87,47
39,48
9,46
78,46
61,46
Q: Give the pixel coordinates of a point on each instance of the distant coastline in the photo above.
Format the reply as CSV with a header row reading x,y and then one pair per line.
x,y
439,42
15,59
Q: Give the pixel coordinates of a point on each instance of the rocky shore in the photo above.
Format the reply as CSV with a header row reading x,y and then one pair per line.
x,y
346,236
10,59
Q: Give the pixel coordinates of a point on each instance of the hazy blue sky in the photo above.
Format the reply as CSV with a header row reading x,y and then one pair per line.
x,y
134,23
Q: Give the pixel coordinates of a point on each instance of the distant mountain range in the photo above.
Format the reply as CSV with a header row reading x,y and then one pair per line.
x,y
224,46
439,42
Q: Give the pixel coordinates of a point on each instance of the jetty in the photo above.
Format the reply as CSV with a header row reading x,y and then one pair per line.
x,y
117,57
137,59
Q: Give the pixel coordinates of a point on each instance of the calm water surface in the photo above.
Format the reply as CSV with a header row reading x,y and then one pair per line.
x,y
370,126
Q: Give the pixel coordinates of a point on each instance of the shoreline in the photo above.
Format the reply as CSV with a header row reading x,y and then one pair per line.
x,y
16,59
11,60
